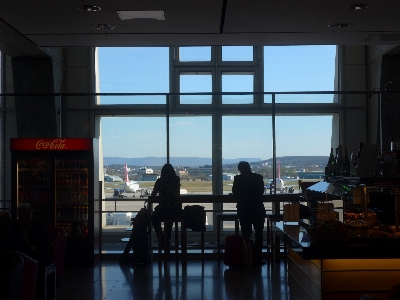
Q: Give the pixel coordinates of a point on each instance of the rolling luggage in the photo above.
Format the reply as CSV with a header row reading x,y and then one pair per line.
x,y
139,240
234,251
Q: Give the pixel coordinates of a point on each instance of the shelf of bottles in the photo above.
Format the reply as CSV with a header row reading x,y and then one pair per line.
x,y
34,186
72,202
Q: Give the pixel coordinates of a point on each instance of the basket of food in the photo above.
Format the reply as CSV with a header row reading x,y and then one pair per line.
x,y
328,232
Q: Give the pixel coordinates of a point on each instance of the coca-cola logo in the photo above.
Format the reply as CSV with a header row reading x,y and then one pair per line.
x,y
57,144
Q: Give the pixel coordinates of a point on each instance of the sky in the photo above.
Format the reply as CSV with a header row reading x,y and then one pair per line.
x,y
286,69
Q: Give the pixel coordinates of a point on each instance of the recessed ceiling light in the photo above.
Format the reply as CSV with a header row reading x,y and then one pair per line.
x,y
359,6
141,14
339,25
89,7
103,26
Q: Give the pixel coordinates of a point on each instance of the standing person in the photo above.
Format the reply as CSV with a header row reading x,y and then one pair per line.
x,y
248,188
168,189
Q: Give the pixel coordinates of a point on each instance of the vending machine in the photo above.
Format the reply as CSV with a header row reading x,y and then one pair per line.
x,y
59,178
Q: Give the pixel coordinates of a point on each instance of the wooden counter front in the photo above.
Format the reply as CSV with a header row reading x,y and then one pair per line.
x,y
345,271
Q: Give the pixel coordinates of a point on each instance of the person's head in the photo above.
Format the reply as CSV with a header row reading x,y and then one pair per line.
x,y
244,167
5,219
24,213
168,171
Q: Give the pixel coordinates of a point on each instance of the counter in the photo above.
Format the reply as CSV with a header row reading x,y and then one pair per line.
x,y
344,271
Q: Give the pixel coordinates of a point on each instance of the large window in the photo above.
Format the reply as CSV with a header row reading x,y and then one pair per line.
x,y
191,152
300,69
210,108
246,138
220,109
215,82
234,82
195,82
133,70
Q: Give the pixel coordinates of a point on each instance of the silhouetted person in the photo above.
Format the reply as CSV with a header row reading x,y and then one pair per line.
x,y
9,240
34,233
30,237
248,188
168,189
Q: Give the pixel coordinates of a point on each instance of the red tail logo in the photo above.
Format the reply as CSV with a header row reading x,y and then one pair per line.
x,y
279,169
126,173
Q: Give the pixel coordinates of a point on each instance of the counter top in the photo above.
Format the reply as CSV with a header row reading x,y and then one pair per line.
x,y
298,239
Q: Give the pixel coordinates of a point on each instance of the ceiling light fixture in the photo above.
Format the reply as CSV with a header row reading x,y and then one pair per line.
x,y
89,7
103,26
339,25
142,15
359,6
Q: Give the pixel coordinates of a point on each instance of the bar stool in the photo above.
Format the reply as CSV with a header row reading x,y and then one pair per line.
x,y
50,281
224,217
167,247
273,240
195,219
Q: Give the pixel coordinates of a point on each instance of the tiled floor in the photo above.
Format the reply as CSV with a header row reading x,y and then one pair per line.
x,y
110,280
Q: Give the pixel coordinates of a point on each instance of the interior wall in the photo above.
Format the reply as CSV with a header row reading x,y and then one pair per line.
x,y
36,116
374,57
390,85
79,77
354,122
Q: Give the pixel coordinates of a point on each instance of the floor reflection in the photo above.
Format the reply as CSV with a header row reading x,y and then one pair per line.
x,y
170,280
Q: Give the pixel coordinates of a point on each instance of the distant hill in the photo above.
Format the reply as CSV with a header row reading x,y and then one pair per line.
x,y
202,161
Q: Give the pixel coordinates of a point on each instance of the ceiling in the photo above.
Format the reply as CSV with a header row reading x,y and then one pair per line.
x,y
26,24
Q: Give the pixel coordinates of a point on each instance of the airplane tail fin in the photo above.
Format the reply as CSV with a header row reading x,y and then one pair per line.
x,y
126,173
279,169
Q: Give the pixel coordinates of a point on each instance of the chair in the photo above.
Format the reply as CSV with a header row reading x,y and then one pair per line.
x,y
52,272
273,240
50,275
29,277
11,274
167,247
224,217
195,219
58,238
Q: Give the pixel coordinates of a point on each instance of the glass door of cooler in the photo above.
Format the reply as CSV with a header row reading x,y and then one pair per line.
x,y
35,186
72,195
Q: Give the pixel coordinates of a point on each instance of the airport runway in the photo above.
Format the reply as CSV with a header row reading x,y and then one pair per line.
x,y
122,209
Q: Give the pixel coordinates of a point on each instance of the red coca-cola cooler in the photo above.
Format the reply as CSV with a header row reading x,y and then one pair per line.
x,y
59,178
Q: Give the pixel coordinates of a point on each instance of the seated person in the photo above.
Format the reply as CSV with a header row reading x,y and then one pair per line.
x,y
30,236
168,189
8,239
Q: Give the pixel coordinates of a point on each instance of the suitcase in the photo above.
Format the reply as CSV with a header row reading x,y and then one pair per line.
x,y
139,241
234,253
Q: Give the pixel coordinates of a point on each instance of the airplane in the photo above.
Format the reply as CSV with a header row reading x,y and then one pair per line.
x,y
130,186
279,183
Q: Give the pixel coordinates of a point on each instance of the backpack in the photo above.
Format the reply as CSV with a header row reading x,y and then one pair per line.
x,y
195,217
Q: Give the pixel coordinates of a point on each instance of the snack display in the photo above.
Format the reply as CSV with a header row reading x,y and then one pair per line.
x,y
328,232
371,216
383,231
